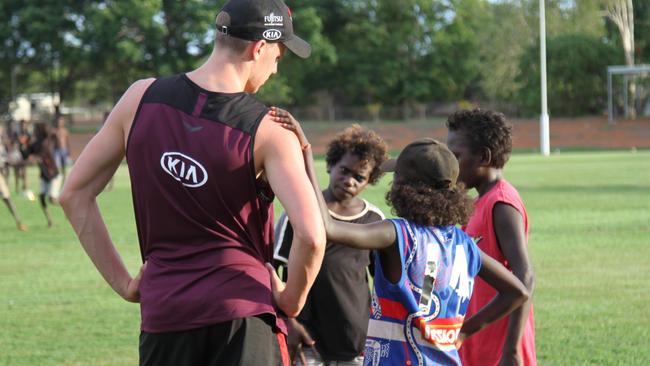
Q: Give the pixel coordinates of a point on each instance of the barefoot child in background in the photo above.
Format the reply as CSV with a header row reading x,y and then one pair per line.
x,y
5,194
23,139
43,150
61,146
425,265
481,140
6,197
335,315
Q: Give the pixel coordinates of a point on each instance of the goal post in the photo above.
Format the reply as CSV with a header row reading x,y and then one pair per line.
x,y
626,71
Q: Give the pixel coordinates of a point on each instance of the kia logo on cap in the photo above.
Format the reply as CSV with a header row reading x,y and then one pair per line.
x,y
184,169
272,34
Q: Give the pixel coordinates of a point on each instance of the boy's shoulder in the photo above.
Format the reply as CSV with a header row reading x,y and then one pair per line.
x,y
503,191
369,213
374,210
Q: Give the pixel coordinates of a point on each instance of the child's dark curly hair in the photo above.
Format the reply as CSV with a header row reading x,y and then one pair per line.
x,y
363,143
427,206
484,129
41,131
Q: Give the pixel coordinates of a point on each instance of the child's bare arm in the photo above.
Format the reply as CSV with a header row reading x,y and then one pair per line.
x,y
511,236
375,235
511,294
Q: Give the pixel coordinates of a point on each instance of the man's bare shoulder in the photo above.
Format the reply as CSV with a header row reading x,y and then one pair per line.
x,y
276,143
273,134
126,107
123,113
134,93
138,88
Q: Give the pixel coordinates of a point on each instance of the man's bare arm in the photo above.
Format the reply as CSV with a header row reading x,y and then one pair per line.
x,y
279,151
93,169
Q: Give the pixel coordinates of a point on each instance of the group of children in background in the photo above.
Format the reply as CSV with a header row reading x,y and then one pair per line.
x,y
446,268
23,144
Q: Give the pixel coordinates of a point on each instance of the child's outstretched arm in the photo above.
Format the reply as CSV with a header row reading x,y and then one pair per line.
x,y
376,235
511,293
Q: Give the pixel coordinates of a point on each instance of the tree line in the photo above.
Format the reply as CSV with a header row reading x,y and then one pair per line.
x,y
372,53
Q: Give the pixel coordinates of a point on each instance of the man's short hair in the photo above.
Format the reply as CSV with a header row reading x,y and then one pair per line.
x,y
235,45
484,129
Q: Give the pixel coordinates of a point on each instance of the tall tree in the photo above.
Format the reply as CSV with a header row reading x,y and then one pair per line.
x,y
621,13
458,56
11,52
384,52
642,30
131,39
46,31
503,37
576,77
299,80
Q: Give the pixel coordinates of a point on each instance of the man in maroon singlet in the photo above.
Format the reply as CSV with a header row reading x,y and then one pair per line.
x,y
205,161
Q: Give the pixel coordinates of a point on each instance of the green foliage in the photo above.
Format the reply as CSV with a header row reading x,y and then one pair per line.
x,y
571,17
391,52
301,78
504,34
384,52
577,75
642,30
276,91
112,43
133,39
456,57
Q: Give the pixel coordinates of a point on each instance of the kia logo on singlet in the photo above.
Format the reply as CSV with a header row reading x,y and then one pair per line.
x,y
184,169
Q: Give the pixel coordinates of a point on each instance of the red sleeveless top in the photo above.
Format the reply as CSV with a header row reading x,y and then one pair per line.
x,y
484,348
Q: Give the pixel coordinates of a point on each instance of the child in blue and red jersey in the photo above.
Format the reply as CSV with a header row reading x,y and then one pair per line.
x,y
425,265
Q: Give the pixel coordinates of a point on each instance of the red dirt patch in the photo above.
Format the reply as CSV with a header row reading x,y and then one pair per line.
x,y
584,132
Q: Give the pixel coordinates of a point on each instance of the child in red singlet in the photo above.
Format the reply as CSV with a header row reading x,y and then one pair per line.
x,y
481,141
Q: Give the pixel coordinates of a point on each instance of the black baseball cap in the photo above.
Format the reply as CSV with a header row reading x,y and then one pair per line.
x,y
425,160
254,20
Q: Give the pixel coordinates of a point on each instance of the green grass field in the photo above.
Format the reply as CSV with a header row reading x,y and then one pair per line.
x,y
589,241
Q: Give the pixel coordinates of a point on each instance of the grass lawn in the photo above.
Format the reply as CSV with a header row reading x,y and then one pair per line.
x,y
589,241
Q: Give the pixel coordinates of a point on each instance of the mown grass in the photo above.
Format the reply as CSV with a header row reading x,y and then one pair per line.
x,y
589,241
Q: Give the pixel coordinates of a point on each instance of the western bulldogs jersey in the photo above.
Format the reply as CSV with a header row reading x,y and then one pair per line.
x,y
416,321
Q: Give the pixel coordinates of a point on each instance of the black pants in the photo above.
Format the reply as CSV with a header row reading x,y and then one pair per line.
x,y
240,342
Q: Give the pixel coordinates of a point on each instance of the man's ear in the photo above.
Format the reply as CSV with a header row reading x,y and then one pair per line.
x,y
486,156
257,48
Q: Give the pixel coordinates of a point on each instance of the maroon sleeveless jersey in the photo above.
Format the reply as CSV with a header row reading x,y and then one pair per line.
x,y
205,223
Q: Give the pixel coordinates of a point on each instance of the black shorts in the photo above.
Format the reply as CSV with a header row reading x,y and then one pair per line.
x,y
239,342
